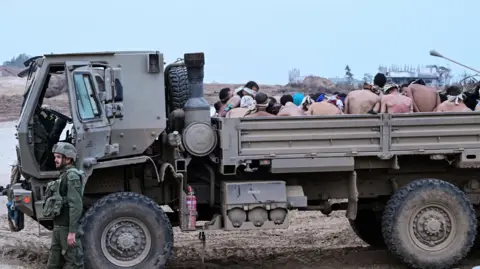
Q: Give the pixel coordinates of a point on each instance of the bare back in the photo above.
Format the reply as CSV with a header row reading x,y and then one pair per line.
x,y
448,106
260,114
323,108
396,103
290,109
425,99
361,102
238,112
233,102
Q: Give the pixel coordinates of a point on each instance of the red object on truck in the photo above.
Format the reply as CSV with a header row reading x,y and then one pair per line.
x,y
191,209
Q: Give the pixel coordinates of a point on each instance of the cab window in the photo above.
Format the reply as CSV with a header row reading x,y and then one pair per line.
x,y
86,102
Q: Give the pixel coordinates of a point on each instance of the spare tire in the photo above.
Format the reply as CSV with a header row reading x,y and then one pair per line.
x,y
178,90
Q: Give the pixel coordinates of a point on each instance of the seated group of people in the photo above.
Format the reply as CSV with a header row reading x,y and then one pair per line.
x,y
248,101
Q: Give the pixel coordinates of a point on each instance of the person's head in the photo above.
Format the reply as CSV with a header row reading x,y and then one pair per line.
x,y
273,108
390,88
380,80
417,81
261,98
218,105
252,85
64,153
245,91
298,98
225,94
285,99
306,102
315,96
453,90
272,100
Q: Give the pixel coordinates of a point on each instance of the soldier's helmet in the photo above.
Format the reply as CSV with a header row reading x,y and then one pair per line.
x,y
66,149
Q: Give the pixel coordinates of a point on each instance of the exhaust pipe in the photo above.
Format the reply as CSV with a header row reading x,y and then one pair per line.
x,y
197,109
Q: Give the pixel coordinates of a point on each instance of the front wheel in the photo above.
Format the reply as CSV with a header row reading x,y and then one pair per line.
x,y
126,230
429,223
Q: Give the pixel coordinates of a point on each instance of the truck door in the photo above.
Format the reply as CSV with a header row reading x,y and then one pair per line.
x,y
91,127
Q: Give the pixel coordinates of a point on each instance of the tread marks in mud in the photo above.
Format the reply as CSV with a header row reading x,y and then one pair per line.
x,y
126,204
178,88
432,210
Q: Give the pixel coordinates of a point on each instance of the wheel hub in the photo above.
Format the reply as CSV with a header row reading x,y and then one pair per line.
x,y
126,242
432,227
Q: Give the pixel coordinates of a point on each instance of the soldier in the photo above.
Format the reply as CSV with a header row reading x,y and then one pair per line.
x,y
64,203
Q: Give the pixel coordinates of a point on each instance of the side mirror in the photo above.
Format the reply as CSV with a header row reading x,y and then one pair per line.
x,y
113,76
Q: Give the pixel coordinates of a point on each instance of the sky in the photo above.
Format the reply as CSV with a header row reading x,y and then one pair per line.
x,y
252,40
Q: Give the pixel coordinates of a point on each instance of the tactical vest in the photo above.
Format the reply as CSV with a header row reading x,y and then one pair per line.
x,y
54,202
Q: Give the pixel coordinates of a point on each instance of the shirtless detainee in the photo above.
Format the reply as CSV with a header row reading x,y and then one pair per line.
x,y
324,107
260,107
425,99
454,102
366,100
289,108
393,102
235,101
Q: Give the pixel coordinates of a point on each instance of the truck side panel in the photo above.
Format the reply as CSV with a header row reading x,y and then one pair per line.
x,y
424,132
346,136
309,135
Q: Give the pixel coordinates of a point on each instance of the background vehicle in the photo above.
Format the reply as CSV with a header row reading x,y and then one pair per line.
x,y
145,138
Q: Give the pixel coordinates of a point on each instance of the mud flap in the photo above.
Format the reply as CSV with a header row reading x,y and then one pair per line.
x,y
15,218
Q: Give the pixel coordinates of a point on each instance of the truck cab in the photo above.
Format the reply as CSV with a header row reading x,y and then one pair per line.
x,y
94,120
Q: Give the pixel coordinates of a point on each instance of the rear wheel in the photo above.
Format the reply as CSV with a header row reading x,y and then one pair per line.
x,y
429,224
368,227
126,230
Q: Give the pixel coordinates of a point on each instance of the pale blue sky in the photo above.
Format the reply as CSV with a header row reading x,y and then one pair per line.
x,y
252,40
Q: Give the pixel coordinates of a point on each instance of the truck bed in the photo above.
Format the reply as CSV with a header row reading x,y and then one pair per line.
x,y
382,135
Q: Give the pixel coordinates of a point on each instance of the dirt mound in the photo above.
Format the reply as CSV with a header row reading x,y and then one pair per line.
x,y
6,71
56,86
314,82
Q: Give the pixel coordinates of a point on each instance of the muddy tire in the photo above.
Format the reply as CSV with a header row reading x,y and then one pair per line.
x,y
126,230
368,227
429,223
178,89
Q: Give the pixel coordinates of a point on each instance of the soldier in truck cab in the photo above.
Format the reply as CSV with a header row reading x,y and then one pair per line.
x,y
64,203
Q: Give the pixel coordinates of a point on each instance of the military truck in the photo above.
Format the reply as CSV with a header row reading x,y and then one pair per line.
x,y
151,151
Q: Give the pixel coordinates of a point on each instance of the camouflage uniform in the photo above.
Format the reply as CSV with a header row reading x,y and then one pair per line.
x,y
66,221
